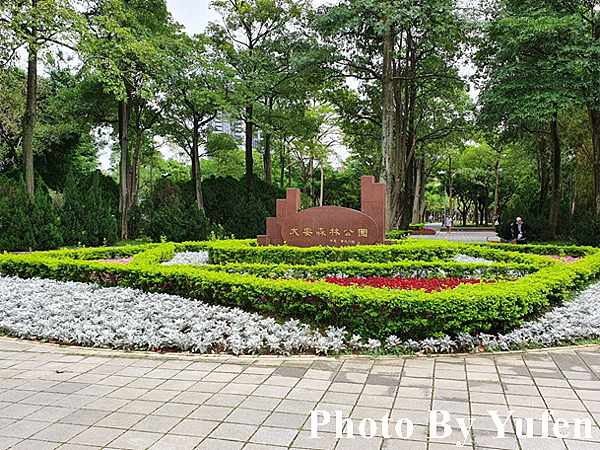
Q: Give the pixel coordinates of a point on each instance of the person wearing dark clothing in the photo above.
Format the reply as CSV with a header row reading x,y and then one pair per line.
x,y
509,232
521,231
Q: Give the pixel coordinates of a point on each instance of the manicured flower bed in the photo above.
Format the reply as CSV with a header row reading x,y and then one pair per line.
x,y
266,280
83,314
426,284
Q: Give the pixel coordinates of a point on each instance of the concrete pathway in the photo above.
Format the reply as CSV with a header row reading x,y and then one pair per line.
x,y
457,234
73,398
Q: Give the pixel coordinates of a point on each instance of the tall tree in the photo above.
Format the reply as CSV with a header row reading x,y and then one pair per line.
x,y
33,24
199,87
566,34
126,49
410,50
254,32
525,82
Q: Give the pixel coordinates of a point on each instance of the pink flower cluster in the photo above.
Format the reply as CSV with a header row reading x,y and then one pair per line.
x,y
120,260
428,284
564,259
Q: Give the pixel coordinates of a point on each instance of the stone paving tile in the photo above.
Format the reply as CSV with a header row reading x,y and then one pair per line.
x,y
84,417
135,440
211,412
216,444
23,429
59,432
120,420
256,417
7,442
175,442
193,427
31,444
181,402
96,436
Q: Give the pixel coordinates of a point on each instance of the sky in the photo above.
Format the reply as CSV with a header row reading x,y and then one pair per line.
x,y
193,14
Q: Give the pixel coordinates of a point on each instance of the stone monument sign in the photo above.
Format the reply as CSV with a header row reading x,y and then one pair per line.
x,y
332,226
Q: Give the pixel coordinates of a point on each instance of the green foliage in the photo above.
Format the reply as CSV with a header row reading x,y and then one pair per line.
x,y
12,107
526,207
587,231
178,224
226,205
23,225
226,158
398,234
88,213
342,189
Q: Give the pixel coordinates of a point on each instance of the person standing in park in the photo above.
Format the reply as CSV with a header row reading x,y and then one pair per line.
x,y
448,224
509,232
521,231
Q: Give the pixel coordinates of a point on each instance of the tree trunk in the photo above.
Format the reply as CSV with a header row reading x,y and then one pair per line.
x,y
407,197
422,198
311,171
123,166
556,160
282,172
450,208
387,127
594,115
544,176
134,169
267,158
196,166
322,182
417,215
496,187
29,120
249,157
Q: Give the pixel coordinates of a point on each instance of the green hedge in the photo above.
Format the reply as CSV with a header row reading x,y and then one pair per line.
x,y
370,312
398,234
405,269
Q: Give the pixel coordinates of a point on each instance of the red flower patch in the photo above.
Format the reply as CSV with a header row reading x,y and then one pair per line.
x,y
428,284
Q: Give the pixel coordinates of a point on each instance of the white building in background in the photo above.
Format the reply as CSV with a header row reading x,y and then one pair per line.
x,y
225,123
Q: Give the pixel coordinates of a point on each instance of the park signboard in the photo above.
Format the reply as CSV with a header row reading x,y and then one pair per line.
x,y
332,226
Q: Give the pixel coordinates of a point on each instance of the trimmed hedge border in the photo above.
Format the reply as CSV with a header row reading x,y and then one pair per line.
x,y
373,313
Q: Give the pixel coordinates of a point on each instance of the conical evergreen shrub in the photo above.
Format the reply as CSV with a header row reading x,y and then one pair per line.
x,y
87,216
25,226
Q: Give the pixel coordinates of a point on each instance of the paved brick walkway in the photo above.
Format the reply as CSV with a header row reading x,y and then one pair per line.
x,y
458,236
72,398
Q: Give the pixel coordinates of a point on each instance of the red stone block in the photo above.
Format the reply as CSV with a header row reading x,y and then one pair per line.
x,y
329,225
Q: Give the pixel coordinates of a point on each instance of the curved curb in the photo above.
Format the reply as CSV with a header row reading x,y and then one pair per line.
x,y
117,353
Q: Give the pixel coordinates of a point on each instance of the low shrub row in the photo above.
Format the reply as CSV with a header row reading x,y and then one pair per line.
x,y
375,313
232,251
408,269
398,234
